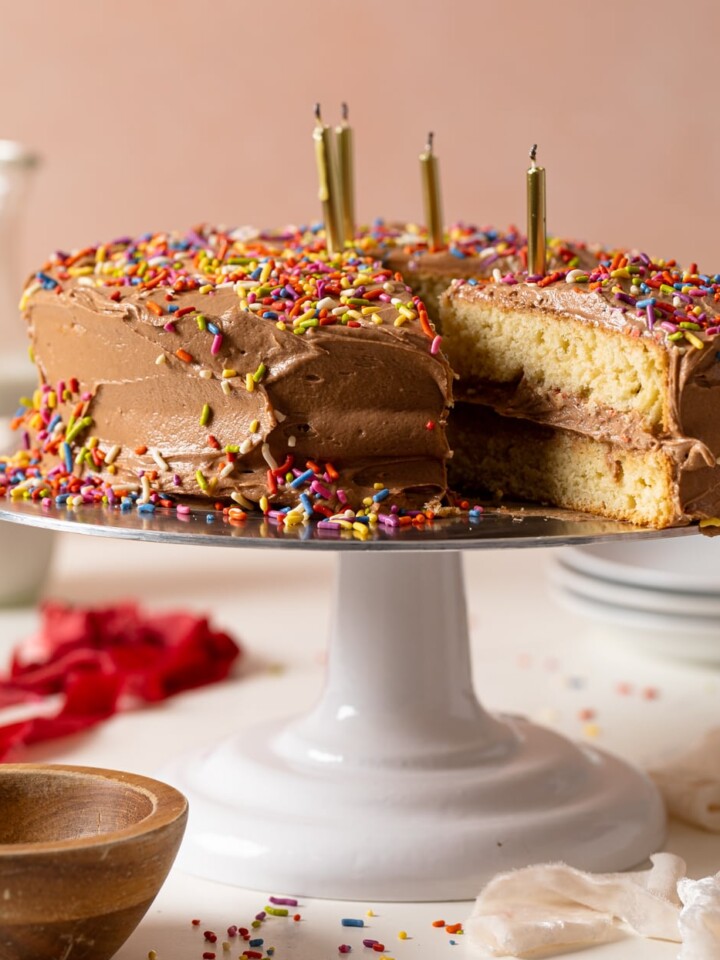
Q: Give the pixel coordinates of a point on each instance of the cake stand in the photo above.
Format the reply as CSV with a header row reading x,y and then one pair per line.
x,y
398,785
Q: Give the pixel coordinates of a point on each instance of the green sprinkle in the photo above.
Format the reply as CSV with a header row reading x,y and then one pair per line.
x,y
201,322
77,428
276,911
205,415
309,323
688,325
232,448
676,336
200,477
259,373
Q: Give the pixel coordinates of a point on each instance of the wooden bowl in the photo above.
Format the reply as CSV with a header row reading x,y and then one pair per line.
x,y
83,852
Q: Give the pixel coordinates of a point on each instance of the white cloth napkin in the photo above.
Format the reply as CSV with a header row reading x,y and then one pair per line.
x,y
547,908
690,783
699,920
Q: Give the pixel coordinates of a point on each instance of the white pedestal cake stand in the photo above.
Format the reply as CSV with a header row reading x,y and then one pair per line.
x,y
398,785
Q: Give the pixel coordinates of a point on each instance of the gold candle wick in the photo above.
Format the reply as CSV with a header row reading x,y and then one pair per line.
x,y
536,230
327,187
432,200
346,176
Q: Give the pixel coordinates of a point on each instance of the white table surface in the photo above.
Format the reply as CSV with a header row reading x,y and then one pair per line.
x,y
530,657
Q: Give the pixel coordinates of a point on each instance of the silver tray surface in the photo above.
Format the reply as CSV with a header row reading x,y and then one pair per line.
x,y
508,526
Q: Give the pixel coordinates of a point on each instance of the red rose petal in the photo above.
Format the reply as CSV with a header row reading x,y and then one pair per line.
x,y
101,658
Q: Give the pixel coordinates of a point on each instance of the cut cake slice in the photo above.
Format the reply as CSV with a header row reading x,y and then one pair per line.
x,y
615,374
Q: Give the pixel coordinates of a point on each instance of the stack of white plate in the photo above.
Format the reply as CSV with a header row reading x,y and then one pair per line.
x,y
661,595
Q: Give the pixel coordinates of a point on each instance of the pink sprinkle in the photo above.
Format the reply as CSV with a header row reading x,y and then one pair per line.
x,y
344,948
317,487
284,901
46,502
86,396
170,327
388,519
435,345
216,344
342,496
183,509
329,525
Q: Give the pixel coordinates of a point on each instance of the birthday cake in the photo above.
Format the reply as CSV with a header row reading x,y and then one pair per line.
x,y
232,367
256,369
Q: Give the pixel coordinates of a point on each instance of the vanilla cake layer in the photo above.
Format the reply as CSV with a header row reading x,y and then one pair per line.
x,y
517,458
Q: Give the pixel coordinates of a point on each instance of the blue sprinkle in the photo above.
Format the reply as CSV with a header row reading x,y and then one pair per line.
x,y
173,308
213,328
352,922
306,502
209,518
54,422
457,252
47,282
20,412
472,282
146,508
125,505
256,274
270,315
256,943
67,455
61,498
648,302
381,494
303,478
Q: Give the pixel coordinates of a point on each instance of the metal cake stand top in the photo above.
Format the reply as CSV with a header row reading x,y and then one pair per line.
x,y
497,527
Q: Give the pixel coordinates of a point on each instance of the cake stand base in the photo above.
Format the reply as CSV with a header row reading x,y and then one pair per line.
x,y
399,785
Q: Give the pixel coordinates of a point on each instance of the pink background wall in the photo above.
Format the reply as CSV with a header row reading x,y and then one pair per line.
x,y
158,113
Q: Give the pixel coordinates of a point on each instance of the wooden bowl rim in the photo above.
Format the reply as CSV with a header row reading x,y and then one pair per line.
x,y
168,806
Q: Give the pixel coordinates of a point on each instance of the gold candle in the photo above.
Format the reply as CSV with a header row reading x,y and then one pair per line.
x,y
327,187
536,216
346,176
431,195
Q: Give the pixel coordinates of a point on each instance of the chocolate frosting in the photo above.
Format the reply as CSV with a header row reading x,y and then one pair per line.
x,y
369,398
